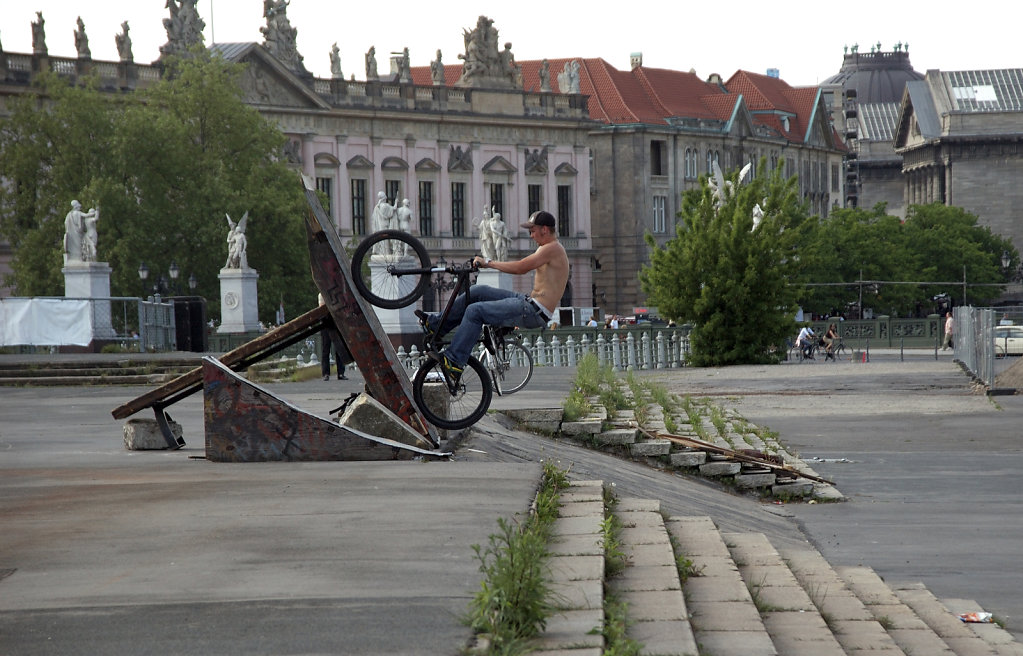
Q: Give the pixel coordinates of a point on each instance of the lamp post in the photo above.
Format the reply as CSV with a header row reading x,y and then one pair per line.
x,y
143,274
174,272
440,283
192,283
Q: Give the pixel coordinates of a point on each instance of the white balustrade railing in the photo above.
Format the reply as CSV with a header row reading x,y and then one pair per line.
x,y
622,350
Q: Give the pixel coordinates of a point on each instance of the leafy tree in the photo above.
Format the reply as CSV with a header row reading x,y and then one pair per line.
x,y
934,243
164,166
736,283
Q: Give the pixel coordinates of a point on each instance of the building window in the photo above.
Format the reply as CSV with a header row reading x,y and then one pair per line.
x,y
658,157
325,185
497,198
458,209
710,162
834,177
359,206
426,208
534,193
660,222
393,190
564,209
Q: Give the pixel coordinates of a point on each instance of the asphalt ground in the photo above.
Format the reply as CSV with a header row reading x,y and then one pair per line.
x,y
108,551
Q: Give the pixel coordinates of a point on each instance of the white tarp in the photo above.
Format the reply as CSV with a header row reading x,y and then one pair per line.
x,y
45,322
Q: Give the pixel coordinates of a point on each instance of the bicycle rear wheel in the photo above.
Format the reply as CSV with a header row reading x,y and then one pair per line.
x,y
512,367
464,407
391,269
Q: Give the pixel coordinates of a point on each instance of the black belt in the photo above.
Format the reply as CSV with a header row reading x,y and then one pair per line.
x,y
539,308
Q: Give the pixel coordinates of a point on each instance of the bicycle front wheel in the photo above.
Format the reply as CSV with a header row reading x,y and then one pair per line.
x,y
391,269
445,409
512,368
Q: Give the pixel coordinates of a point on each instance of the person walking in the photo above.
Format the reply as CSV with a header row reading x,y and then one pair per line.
x,y
949,329
331,337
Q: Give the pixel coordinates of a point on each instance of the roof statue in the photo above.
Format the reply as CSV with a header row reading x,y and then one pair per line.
x,y
123,42
82,41
568,78
39,35
484,66
281,37
184,28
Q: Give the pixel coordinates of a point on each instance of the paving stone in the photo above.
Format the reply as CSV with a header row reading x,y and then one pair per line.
x,y
649,554
726,616
576,545
719,469
651,448
576,568
749,481
616,436
580,508
665,638
689,458
584,427
586,525
647,577
577,595
735,643
649,605
633,504
706,588
572,629
643,534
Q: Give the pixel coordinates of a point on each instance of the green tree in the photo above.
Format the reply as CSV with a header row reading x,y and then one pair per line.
x,y
934,243
736,283
165,166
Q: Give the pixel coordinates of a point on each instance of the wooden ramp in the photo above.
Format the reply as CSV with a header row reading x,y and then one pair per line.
x,y
248,423
385,377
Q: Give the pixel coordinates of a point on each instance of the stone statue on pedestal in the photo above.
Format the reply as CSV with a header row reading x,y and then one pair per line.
x,y
437,71
568,78
39,35
237,243
82,41
123,42
335,63
80,234
371,65
184,28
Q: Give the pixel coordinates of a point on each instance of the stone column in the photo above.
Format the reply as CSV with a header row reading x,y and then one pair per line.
x,y
239,308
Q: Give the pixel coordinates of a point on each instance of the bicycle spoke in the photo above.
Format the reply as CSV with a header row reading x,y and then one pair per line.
x,y
444,409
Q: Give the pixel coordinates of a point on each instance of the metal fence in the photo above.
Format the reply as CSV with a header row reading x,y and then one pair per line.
x,y
973,340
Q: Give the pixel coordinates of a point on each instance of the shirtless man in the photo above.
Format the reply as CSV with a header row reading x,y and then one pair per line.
x,y
501,307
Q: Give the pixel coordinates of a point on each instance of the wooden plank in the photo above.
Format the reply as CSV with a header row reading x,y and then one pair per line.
x,y
253,351
736,455
248,423
386,378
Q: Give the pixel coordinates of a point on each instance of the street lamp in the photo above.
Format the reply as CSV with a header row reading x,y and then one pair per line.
x,y
143,274
192,283
174,272
440,283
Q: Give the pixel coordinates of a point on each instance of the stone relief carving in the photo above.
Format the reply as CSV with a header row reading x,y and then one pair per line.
x,y
459,160
292,151
536,160
262,87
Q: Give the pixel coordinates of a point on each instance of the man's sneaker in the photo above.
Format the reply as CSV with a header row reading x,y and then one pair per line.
x,y
452,371
424,323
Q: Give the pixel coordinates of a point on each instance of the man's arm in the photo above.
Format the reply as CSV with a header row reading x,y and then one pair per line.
x,y
534,260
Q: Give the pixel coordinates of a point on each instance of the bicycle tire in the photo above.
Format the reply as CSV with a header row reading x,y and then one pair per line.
x,y
390,248
514,369
452,411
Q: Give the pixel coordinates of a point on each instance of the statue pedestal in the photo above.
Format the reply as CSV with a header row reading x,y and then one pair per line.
x,y
91,280
401,321
239,309
494,278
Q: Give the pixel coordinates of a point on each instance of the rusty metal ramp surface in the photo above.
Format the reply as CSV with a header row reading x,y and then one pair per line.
x,y
246,422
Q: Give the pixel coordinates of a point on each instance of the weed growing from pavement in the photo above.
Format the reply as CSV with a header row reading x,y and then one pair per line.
x,y
616,611
513,604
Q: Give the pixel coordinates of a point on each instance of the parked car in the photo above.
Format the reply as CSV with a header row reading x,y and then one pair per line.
x,y
1008,341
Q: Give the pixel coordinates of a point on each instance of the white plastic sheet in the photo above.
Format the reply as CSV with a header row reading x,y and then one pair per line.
x,y
45,322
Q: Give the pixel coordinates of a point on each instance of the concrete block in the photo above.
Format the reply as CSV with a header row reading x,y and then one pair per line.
x,y
720,468
585,427
368,415
747,481
145,435
651,448
792,488
688,458
617,436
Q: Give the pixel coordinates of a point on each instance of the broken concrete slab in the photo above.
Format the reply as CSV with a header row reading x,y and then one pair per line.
x,y
145,434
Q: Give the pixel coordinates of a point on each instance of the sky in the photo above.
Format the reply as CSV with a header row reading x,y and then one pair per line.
x,y
804,40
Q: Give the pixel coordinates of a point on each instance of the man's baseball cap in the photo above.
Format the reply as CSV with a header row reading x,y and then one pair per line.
x,y
541,218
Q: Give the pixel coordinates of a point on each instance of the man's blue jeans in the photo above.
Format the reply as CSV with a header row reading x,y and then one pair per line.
x,y
492,306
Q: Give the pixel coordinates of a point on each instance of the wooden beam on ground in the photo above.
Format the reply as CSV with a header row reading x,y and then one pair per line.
x,y
692,442
240,358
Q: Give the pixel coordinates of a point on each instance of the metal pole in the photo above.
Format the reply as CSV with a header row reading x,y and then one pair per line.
x,y
964,284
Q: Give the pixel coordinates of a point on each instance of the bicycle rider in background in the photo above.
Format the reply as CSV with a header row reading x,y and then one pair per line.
x,y
805,341
502,307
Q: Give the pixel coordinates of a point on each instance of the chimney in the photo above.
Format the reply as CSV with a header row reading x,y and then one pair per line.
x,y
635,60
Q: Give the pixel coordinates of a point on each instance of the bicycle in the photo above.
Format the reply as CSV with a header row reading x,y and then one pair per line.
x,y
391,269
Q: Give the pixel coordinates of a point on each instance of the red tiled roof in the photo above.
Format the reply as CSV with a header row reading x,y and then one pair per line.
x,y
654,95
